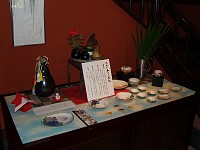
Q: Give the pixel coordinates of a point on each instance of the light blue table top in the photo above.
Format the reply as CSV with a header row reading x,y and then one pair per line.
x,y
30,128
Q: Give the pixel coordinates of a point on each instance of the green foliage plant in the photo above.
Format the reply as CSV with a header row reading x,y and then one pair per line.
x,y
146,42
75,39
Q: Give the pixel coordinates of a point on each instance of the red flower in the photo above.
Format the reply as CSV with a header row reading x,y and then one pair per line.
x,y
75,38
73,33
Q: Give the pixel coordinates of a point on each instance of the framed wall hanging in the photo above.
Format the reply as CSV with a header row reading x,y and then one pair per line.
x,y
27,22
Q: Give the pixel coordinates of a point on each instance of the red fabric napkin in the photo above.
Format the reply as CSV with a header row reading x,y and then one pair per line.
x,y
18,100
120,90
74,94
57,100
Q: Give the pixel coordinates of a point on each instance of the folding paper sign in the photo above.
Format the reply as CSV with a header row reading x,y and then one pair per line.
x,y
98,79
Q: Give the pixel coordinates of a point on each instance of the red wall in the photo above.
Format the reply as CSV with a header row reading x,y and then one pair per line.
x,y
111,24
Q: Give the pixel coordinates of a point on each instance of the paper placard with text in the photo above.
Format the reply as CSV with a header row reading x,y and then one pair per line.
x,y
98,79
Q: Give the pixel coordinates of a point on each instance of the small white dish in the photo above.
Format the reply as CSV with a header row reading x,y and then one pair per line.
x,y
164,96
57,120
141,95
142,88
163,91
120,84
124,96
151,99
152,92
176,89
98,103
134,91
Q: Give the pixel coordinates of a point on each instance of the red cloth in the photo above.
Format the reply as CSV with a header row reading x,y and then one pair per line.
x,y
74,94
57,100
18,100
121,90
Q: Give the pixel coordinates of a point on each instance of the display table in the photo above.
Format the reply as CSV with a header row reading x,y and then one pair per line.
x,y
136,124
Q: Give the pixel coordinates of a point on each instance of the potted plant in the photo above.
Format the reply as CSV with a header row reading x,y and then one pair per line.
x,y
146,43
75,39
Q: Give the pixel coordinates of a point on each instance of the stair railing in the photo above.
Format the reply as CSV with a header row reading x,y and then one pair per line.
x,y
156,12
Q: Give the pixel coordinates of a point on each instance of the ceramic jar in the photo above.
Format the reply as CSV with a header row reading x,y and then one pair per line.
x,y
85,55
46,87
75,53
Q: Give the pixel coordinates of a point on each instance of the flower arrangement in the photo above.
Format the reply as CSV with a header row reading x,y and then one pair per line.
x,y
75,39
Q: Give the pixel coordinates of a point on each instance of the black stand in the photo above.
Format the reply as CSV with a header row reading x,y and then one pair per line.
x,y
157,81
125,77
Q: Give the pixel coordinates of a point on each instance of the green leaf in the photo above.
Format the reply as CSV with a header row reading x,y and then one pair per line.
x,y
146,43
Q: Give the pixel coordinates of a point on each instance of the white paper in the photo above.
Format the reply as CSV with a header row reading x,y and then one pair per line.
x,y
53,107
98,79
28,22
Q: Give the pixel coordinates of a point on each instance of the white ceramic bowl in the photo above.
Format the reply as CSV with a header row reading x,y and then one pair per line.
x,y
99,104
134,91
163,91
141,95
151,99
158,73
134,81
152,92
119,84
124,96
164,96
142,88
176,89
126,69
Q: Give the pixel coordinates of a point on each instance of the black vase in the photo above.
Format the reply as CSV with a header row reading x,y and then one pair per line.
x,y
75,53
46,87
85,55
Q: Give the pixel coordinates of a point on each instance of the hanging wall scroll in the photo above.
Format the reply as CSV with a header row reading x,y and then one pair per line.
x,y
27,22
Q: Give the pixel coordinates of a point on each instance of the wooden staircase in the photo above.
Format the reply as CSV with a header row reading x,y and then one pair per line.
x,y
179,52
